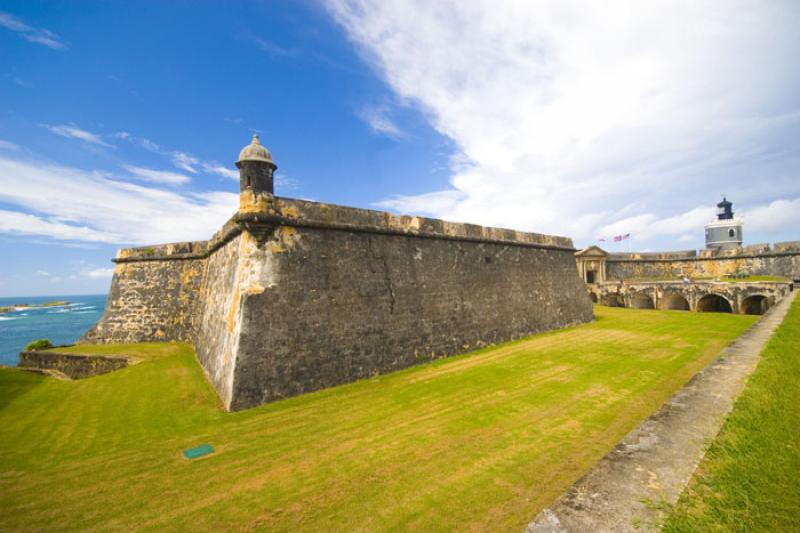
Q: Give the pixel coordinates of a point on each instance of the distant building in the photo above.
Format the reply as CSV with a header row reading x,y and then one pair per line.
x,y
726,231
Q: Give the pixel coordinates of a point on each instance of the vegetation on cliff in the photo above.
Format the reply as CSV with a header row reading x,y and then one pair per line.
x,y
21,307
39,344
481,441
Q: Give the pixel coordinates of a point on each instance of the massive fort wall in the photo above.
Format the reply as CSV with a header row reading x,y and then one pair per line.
x,y
781,259
293,296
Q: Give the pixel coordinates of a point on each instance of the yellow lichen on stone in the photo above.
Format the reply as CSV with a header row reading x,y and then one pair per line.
x,y
254,289
287,239
290,212
234,308
252,202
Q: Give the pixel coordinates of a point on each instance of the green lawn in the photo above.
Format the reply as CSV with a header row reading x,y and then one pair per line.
x,y
750,477
749,279
481,441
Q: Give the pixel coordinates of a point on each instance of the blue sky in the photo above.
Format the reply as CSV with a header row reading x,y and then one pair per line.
x,y
120,121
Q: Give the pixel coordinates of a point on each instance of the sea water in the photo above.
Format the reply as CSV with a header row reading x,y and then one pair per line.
x,y
62,324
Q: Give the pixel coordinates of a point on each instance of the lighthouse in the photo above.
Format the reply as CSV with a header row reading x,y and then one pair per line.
x,y
726,230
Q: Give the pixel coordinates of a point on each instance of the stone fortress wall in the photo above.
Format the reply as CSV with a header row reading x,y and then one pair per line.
x,y
781,259
292,296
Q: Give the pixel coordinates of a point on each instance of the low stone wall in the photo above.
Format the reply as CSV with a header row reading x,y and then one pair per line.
x,y
72,365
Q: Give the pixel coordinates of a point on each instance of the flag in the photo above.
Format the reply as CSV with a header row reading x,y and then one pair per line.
x,y
626,236
617,238
601,239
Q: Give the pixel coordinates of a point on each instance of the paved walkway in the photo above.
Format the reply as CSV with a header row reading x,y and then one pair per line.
x,y
655,461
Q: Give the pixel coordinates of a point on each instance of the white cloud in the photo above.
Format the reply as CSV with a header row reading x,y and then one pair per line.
x,y
74,132
377,118
78,205
185,161
776,216
272,48
22,83
432,202
26,224
147,144
100,272
29,33
157,176
7,145
225,172
578,118
181,160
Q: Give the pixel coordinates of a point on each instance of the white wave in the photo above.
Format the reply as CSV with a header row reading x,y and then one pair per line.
x,y
8,317
84,308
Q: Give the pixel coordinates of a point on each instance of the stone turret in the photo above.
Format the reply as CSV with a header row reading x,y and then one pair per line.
x,y
256,168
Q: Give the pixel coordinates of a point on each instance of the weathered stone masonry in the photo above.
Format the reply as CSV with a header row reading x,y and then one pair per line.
x,y
781,259
293,296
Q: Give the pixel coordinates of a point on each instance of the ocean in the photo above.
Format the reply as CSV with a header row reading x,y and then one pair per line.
x,y
62,325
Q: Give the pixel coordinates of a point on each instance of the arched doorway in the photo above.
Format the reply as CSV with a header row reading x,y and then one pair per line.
x,y
714,303
675,302
593,297
641,301
755,305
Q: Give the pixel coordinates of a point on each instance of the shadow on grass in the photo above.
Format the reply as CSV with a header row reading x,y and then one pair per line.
x,y
15,383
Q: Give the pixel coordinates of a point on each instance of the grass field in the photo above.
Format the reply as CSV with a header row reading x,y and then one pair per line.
x,y
749,279
750,477
481,441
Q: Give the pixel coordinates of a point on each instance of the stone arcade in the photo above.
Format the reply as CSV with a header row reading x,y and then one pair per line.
x,y
292,296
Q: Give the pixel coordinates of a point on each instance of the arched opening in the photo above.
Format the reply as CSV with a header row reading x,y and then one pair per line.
x,y
675,302
641,301
612,300
755,305
713,303
593,297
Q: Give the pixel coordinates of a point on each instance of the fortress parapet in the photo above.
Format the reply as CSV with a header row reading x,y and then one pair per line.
x,y
780,259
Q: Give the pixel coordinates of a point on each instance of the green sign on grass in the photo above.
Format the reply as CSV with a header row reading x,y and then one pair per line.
x,y
198,451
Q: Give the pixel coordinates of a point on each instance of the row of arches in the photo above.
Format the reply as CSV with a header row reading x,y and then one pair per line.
x,y
710,303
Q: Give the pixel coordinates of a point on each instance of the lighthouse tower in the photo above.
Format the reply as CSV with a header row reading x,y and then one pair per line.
x,y
726,231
